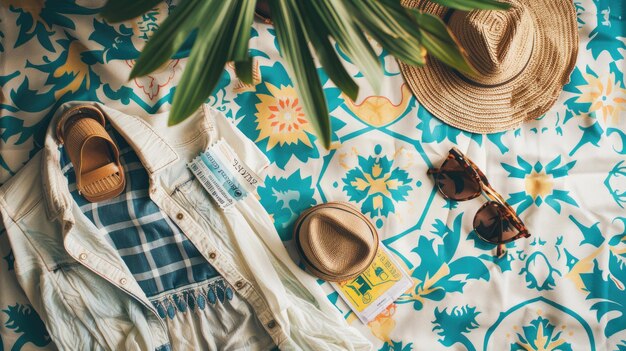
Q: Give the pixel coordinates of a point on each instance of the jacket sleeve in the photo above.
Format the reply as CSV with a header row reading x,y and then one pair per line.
x,y
39,312
20,325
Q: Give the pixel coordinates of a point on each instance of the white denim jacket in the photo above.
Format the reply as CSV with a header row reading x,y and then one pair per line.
x,y
85,293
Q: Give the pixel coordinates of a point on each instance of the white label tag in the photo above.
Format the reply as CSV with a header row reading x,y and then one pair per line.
x,y
224,176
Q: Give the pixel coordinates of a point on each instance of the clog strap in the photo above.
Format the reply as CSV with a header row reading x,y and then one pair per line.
x,y
78,135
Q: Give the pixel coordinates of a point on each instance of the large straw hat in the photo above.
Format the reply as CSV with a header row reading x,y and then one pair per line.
x,y
336,241
524,57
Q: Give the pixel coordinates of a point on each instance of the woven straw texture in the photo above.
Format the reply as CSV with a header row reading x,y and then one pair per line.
x,y
336,241
524,57
80,132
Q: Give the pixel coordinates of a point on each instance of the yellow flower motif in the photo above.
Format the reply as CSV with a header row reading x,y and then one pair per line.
x,y
540,335
605,97
586,265
539,184
375,184
384,324
280,117
379,110
427,286
75,67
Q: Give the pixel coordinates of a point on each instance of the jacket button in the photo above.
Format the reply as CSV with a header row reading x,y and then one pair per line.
x,y
239,284
179,216
82,256
271,324
212,255
123,281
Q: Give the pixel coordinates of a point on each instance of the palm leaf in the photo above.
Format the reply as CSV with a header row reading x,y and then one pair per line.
x,y
221,29
318,35
468,5
171,35
122,10
300,64
200,76
242,29
241,38
243,70
335,17
441,43
403,44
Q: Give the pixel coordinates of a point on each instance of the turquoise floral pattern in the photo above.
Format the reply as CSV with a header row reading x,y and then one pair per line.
x,y
115,42
541,335
41,19
219,100
539,184
10,260
606,288
539,273
600,99
615,183
452,326
564,174
397,346
70,74
377,184
285,199
439,273
25,321
610,27
591,234
435,131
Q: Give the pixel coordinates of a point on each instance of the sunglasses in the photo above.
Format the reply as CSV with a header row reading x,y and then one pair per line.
x,y
496,221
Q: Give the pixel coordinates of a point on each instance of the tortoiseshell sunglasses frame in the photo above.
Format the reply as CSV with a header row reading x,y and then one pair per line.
x,y
485,188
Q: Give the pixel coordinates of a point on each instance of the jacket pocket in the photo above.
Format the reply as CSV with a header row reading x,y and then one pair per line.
x,y
192,195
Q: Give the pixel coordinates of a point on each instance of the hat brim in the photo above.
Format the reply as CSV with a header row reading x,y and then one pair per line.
x,y
489,109
316,264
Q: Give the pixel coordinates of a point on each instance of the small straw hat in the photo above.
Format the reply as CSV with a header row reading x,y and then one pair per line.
x,y
524,56
336,241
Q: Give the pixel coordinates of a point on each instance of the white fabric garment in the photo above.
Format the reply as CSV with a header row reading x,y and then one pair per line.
x,y
209,316
86,294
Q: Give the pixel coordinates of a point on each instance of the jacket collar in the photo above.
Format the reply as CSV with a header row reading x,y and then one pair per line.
x,y
154,151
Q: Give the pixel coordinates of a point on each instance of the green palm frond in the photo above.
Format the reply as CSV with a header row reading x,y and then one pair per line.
x,y
305,30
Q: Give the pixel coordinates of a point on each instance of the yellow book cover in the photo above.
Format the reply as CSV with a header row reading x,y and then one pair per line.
x,y
377,287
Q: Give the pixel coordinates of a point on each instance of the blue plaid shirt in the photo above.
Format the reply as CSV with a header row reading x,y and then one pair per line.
x,y
155,250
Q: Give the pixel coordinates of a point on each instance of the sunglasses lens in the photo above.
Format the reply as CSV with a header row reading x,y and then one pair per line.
x,y
491,224
455,182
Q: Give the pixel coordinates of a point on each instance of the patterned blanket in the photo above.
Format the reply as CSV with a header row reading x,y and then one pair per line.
x,y
565,174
